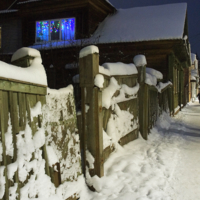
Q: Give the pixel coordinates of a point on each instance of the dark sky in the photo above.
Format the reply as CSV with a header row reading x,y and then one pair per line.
x,y
193,16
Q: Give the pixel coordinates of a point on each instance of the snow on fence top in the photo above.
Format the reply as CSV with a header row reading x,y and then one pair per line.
x,y
112,69
154,72
140,60
152,76
88,50
33,74
151,80
143,24
25,51
161,86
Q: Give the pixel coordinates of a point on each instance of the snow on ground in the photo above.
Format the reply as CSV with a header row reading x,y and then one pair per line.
x,y
167,166
186,181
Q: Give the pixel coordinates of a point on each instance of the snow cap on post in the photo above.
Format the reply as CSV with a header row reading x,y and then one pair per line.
x,y
140,60
88,65
88,50
25,51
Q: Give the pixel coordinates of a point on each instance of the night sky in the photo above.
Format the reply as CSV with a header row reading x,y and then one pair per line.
x,y
193,16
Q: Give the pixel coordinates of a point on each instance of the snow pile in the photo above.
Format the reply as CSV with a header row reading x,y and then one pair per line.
x,y
34,74
140,60
141,169
88,50
120,123
59,121
99,80
112,69
143,24
108,98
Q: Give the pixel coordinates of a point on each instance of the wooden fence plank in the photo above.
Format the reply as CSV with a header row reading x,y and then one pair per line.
x,y
98,119
13,103
2,123
83,135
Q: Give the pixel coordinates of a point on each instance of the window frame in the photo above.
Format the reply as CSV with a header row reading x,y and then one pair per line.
x,y
60,33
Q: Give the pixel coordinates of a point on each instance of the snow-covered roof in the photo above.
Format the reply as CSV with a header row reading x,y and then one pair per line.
x,y
109,2
7,11
28,1
143,24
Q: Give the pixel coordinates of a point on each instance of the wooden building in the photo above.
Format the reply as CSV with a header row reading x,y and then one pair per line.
x,y
37,22
158,32
193,78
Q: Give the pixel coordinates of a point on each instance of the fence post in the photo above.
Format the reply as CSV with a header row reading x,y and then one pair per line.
x,y
171,61
143,101
91,108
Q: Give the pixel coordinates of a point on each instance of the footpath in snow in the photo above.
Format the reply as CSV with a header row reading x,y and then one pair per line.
x,y
166,167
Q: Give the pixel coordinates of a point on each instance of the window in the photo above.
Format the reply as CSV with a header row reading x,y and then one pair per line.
x,y
58,29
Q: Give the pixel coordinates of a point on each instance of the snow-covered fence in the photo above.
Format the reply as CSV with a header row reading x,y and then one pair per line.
x,y
158,98
39,143
62,138
109,107
20,90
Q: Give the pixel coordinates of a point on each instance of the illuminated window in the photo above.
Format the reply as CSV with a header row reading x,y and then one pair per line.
x,y
67,29
42,31
52,30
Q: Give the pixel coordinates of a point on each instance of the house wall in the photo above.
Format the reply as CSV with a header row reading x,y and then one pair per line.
x,y
29,23
11,35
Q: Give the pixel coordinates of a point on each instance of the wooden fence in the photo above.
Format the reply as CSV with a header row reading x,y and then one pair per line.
x,y
58,118
20,120
145,109
95,119
16,100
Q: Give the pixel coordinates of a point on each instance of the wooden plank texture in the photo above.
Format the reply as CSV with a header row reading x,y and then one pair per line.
x,y
14,86
2,122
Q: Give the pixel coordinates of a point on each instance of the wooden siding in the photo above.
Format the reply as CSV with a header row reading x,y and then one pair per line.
x,y
10,35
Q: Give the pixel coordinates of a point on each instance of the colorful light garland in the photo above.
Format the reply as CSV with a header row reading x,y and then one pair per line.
x,y
66,26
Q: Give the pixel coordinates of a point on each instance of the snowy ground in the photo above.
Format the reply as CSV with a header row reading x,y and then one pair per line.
x,y
166,167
